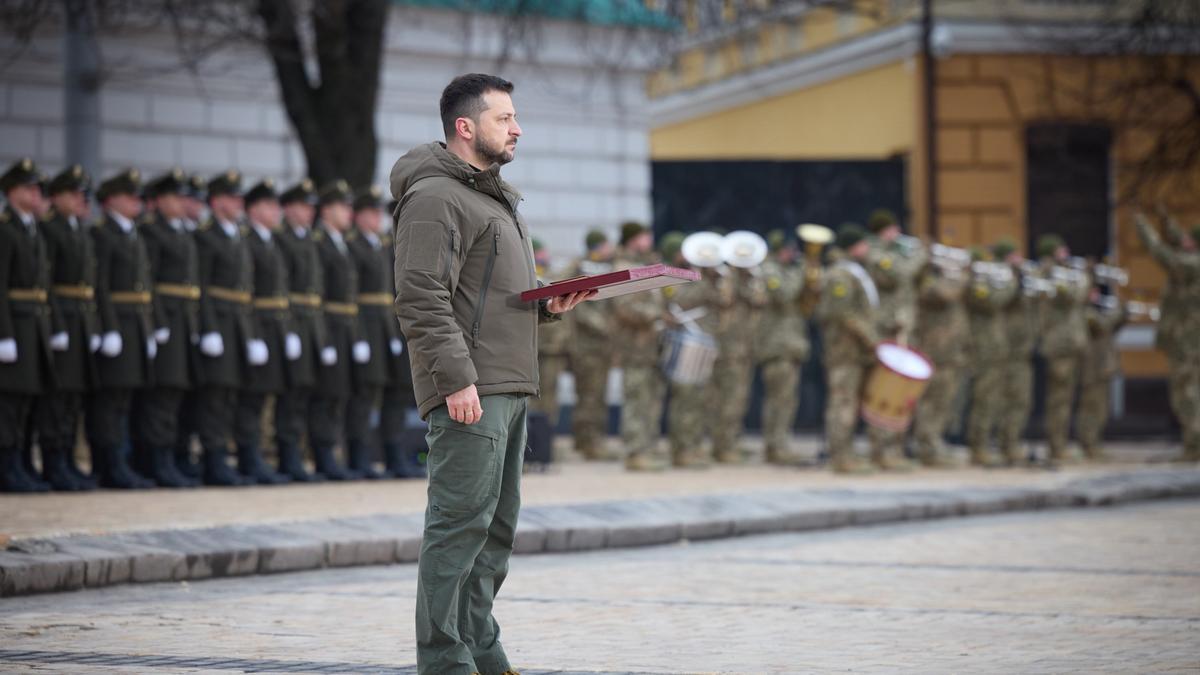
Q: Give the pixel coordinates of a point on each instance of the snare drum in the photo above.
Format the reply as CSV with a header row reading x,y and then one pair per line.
x,y
687,356
894,387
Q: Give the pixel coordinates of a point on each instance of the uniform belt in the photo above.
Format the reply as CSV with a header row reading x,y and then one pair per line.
x,y
27,294
306,299
375,299
130,297
229,294
74,291
344,308
178,291
271,302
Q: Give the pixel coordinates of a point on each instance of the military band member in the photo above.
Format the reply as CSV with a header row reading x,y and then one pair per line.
x,y
733,370
377,325
1063,340
987,295
174,269
1099,365
228,345
343,347
272,324
124,300
553,358
72,295
26,367
847,309
1021,318
592,355
782,347
941,333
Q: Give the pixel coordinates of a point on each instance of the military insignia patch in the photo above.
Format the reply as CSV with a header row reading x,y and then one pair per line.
x,y
839,291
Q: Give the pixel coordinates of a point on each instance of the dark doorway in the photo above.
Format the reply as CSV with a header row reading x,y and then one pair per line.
x,y
1068,185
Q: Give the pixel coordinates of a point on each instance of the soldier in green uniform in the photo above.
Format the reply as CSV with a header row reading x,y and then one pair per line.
x,y
73,268
991,288
228,344
637,318
344,345
782,347
1063,341
1099,365
941,333
377,325
293,409
1178,327
124,300
195,199
401,459
271,323
553,345
174,267
895,262
847,315
1021,320
733,371
26,366
591,355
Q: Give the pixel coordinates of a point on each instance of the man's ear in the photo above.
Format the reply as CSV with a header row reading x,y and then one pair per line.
x,y
465,127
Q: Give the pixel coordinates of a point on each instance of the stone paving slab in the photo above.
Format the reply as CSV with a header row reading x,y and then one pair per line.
x,y
90,561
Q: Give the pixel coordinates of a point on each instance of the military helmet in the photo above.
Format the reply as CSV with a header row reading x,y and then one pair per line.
x,y
849,234
776,240
228,183
71,179
1047,244
1003,248
670,245
264,189
880,219
22,172
128,181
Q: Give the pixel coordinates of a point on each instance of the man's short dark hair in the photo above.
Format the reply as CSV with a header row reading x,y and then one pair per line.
x,y
463,97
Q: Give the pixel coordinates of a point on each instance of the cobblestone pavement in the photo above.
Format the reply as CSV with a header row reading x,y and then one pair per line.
x,y
1098,590
569,482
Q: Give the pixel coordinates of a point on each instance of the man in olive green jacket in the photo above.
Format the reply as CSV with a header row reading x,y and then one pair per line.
x,y
463,256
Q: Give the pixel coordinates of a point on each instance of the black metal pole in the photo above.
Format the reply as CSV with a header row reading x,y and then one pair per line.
x,y
928,77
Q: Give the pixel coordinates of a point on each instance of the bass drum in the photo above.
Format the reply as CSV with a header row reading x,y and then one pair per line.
x,y
895,386
688,356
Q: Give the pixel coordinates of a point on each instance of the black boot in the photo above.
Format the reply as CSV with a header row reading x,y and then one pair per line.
x,y
327,465
360,460
252,466
184,463
13,477
218,472
85,481
292,465
164,472
393,461
56,473
114,472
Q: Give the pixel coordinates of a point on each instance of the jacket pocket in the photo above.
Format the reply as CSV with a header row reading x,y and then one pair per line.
x,y
430,245
488,268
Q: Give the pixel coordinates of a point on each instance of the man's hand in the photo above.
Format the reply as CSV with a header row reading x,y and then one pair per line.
x,y
565,303
464,406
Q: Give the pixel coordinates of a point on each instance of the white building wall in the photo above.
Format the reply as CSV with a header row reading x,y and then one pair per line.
x,y
583,160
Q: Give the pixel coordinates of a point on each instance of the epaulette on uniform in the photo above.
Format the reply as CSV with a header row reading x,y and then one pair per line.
x,y
318,234
350,236
205,226
244,230
385,240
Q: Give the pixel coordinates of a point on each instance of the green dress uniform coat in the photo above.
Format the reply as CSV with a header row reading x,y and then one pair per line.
x,y
340,304
69,250
122,279
24,273
225,267
304,295
377,323
175,269
270,315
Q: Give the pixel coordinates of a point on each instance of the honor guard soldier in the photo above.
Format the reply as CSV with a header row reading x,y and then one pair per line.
x,y
377,325
403,453
1064,339
272,324
343,347
1105,314
592,355
127,347
174,269
72,295
228,346
991,288
782,347
1021,317
195,200
26,367
293,407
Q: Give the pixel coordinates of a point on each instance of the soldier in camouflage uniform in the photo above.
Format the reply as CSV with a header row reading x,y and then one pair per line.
x,y
733,371
941,334
553,357
1178,327
637,319
1021,321
592,355
1099,365
1064,339
846,312
782,347
895,261
987,295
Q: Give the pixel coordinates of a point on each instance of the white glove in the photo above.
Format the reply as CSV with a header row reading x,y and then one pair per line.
x,y
94,343
111,344
162,335
292,346
397,346
211,344
256,352
151,349
329,356
362,352
8,350
59,342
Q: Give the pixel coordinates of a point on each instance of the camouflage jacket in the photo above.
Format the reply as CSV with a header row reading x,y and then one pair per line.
x,y
895,268
847,315
1064,327
989,332
1180,306
942,325
782,333
1100,360
591,322
638,319
739,330
1021,319
713,293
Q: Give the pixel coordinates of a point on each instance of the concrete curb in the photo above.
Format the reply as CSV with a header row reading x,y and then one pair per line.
x,y
93,561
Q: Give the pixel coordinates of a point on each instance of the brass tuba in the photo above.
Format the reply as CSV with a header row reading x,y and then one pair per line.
x,y
815,238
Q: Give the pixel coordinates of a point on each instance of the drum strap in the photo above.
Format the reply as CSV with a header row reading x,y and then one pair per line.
x,y
865,279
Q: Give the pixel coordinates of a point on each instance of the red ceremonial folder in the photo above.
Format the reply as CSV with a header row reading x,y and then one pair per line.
x,y
612,284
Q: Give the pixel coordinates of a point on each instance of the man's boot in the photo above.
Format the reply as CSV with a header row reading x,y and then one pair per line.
x,y
689,459
217,471
783,457
399,464
359,455
114,472
252,466
164,472
184,463
85,481
644,461
56,473
851,464
892,461
291,464
935,457
327,465
13,477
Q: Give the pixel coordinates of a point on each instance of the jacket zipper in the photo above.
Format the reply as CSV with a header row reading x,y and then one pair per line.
x,y
487,280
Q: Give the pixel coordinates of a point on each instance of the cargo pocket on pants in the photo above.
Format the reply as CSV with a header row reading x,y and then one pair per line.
x,y
462,468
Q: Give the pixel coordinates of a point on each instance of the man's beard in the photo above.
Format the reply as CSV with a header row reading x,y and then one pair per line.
x,y
501,155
